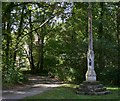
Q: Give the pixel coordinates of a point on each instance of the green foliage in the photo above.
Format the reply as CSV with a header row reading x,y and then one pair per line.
x,y
13,75
53,38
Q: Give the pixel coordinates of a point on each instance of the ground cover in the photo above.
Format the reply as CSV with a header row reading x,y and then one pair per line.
x,y
67,91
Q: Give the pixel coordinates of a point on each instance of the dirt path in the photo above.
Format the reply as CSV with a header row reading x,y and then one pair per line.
x,y
36,85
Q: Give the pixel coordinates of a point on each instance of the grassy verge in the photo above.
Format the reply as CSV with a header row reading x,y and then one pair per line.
x,y
68,92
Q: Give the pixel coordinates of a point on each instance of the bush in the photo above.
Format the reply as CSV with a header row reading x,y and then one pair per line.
x,y
13,75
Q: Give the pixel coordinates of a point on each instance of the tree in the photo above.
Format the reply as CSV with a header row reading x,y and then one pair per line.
x,y
53,38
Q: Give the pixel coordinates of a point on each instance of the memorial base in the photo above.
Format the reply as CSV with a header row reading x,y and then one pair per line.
x,y
92,88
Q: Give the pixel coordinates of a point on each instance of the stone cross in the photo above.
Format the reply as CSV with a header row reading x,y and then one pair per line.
x,y
91,86
90,74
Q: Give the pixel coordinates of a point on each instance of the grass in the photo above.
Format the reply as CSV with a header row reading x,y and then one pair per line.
x,y
68,92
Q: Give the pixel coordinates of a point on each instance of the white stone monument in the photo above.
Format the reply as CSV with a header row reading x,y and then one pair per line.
x,y
91,86
90,74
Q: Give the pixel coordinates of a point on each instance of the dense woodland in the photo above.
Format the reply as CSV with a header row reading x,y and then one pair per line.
x,y
51,38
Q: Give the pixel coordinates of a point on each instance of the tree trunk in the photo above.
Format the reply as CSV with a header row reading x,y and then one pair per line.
x,y
19,34
101,60
31,48
118,31
40,51
38,64
41,57
7,50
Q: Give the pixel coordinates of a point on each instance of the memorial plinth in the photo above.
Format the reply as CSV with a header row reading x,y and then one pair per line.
x,y
91,86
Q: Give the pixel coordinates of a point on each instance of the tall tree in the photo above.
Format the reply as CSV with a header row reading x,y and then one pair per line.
x,y
31,45
19,33
101,36
118,36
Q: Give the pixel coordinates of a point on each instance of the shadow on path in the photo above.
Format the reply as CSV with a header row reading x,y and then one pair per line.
x,y
36,85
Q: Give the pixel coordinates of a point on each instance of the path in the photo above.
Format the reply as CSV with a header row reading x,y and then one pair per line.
x,y
37,84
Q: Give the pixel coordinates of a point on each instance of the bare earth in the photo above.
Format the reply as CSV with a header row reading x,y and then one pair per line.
x,y
36,85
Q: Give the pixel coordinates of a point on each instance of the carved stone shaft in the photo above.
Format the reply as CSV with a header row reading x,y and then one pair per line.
x,y
90,74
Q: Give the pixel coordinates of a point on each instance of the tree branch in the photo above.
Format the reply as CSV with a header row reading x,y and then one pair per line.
x,y
38,27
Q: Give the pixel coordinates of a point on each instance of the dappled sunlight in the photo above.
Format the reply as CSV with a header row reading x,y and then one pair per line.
x,y
70,85
18,94
112,88
46,45
44,80
8,92
37,84
46,85
67,93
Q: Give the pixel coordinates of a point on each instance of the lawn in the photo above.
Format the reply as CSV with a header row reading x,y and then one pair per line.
x,y
68,92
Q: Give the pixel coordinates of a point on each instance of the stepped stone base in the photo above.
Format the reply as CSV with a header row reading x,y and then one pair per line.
x,y
92,88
